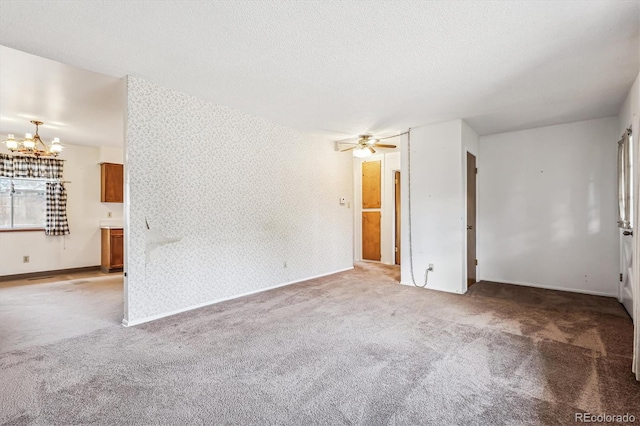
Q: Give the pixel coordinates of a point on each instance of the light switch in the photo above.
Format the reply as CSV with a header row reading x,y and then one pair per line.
x,y
343,200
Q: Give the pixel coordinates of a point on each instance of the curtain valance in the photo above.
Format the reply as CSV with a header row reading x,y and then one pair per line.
x,y
30,167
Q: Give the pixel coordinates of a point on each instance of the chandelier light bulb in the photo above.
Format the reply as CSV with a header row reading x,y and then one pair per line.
x,y
28,141
55,146
12,143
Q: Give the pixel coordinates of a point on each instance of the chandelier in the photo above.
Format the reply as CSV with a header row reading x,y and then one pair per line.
x,y
33,145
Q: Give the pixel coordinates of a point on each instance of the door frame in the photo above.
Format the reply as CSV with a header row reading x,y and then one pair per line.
x,y
465,284
389,164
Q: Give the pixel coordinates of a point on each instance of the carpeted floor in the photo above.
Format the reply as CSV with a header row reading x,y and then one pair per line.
x,y
352,348
44,310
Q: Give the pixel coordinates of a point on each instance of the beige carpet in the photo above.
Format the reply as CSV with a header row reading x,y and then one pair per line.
x,y
352,348
45,310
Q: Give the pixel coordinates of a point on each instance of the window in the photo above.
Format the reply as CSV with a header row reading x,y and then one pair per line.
x,y
22,203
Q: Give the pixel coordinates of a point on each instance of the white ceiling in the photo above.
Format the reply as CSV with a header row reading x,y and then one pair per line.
x,y
347,67
78,106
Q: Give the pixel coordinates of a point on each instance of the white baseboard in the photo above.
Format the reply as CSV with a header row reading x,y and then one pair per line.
x,y
550,287
444,290
213,302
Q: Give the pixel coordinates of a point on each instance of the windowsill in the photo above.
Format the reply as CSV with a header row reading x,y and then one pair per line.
x,y
22,230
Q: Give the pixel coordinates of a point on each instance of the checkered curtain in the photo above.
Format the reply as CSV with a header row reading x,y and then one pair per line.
x,y
56,223
6,165
30,167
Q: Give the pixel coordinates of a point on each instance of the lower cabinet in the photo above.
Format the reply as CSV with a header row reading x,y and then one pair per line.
x,y
112,249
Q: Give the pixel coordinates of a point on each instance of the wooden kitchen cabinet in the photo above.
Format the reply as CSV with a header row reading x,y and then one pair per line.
x,y
112,249
111,183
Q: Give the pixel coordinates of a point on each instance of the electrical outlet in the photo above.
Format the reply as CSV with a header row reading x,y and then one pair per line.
x,y
109,214
430,267
25,259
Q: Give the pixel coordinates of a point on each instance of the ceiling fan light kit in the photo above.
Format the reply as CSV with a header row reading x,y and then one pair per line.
x,y
365,146
33,145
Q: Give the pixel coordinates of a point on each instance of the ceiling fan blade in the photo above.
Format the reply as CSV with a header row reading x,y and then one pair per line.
x,y
382,145
373,151
349,149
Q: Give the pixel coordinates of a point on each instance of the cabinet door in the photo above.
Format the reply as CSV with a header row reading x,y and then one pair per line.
x,y
117,251
111,183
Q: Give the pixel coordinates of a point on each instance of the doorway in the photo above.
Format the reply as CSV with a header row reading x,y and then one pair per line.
x,y
472,262
51,286
376,230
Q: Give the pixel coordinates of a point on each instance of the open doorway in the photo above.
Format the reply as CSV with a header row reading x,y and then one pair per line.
x,y
56,205
472,261
377,209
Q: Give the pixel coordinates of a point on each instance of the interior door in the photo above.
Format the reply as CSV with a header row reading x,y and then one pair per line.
x,y
371,210
371,185
397,217
471,219
371,236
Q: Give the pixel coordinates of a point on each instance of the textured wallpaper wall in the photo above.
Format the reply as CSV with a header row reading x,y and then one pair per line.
x,y
230,199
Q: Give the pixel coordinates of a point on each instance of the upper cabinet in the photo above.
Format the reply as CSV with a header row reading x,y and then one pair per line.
x,y
111,183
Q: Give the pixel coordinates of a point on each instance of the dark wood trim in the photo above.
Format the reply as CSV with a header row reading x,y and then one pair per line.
x,y
4,278
22,230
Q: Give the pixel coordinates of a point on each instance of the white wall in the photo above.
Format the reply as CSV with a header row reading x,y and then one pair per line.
x,y
438,217
81,247
389,163
110,154
629,116
547,207
252,204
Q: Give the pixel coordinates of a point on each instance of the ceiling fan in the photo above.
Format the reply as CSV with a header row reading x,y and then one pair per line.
x,y
365,146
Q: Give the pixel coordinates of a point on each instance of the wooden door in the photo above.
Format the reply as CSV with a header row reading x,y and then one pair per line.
x,y
371,214
397,218
371,235
371,188
471,219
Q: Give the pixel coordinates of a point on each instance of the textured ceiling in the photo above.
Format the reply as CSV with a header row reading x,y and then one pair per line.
x,y
347,67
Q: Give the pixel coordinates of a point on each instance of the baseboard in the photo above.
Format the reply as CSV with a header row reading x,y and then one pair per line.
x,y
29,275
127,323
444,290
549,287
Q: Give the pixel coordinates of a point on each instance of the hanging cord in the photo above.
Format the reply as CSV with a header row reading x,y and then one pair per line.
x,y
426,276
394,136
